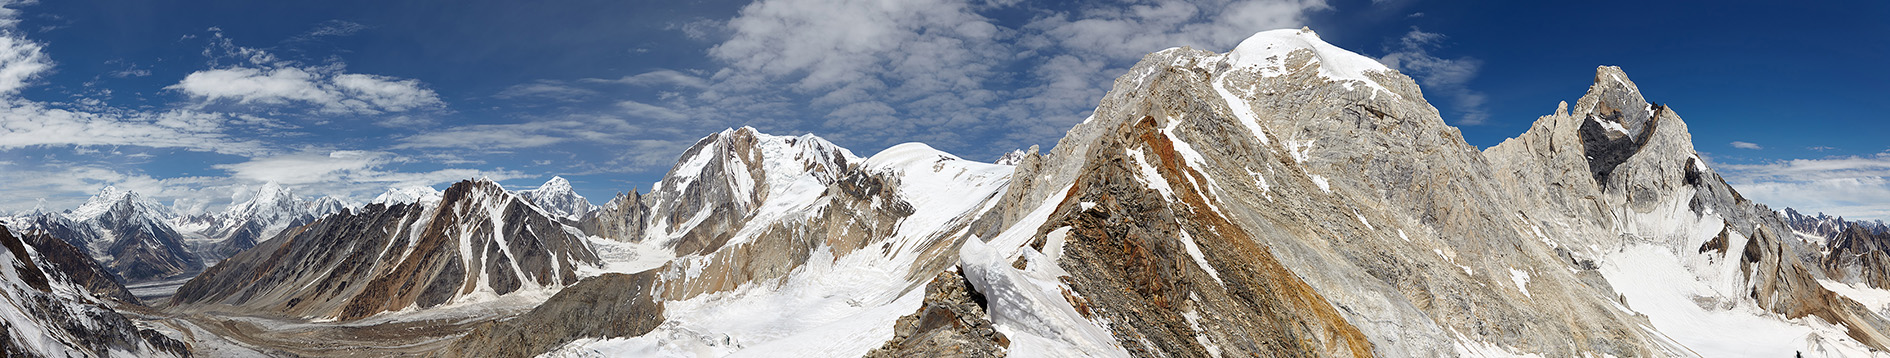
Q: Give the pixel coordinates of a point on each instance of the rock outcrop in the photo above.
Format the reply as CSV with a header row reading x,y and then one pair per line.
x,y
951,323
607,306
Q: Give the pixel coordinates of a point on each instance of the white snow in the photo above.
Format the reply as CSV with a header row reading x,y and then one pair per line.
x,y
408,195
1267,52
1150,176
1877,299
1611,126
1242,110
1200,259
1522,280
1321,182
1657,284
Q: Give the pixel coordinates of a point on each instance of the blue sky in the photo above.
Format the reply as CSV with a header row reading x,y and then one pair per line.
x,y
192,101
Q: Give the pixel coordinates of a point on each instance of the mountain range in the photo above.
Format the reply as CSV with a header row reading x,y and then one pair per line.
x,y
1284,198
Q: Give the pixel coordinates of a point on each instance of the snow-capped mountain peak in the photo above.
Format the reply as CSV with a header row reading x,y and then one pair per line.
x,y
408,195
1269,53
111,199
557,198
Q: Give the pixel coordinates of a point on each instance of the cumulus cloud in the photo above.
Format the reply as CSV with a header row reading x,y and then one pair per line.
x,y
1446,77
1856,187
264,79
1746,145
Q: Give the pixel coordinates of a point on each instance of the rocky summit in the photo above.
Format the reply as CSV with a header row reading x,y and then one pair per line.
x,y
1284,198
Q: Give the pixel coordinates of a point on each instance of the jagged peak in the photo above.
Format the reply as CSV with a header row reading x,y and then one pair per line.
x,y
1615,103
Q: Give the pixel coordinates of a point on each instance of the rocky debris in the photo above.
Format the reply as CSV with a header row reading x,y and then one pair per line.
x,y
951,323
45,314
383,258
607,306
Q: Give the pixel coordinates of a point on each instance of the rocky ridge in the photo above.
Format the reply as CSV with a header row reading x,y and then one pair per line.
x,y
478,242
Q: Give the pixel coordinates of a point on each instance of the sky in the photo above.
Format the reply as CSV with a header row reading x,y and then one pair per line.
x,y
192,103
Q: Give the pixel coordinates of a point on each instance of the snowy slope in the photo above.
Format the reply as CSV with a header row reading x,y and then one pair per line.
x,y
844,303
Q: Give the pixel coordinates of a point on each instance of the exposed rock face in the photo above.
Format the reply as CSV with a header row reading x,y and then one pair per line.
x,y
951,323
557,198
477,239
1652,191
725,177
68,263
621,219
45,314
127,233
607,306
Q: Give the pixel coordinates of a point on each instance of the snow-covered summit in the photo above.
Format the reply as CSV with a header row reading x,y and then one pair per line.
x,y
408,195
1268,51
557,198
111,198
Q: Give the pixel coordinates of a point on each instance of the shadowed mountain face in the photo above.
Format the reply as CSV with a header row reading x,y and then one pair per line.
x,y
478,240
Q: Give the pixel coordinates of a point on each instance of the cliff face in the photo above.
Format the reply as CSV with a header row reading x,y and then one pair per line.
x,y
44,312
478,242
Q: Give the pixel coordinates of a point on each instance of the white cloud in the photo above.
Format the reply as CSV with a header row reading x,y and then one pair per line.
x,y
1856,187
30,124
333,92
1746,145
1447,77
331,28
545,89
939,71
660,78
263,79
20,61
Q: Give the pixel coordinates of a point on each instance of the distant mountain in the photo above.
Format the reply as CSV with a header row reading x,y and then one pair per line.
x,y
557,198
477,242
1855,252
130,235
408,195
269,210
